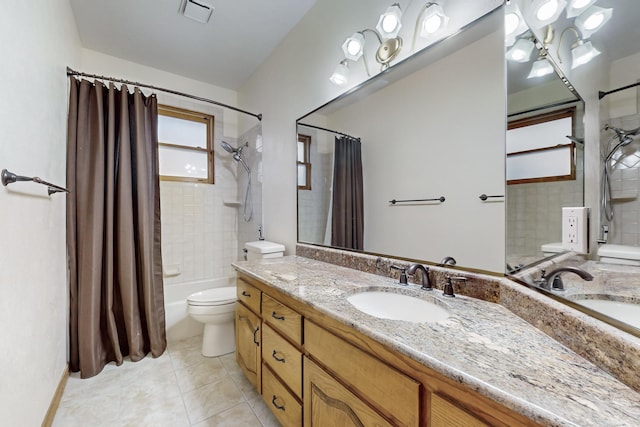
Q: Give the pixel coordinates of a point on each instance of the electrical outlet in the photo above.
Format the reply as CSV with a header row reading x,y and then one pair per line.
x,y
575,229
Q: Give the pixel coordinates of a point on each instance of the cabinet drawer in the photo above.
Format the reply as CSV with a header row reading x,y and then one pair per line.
x,y
444,414
249,295
280,401
394,394
282,319
283,358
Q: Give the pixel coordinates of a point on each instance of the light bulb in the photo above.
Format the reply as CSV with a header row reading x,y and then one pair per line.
x,y
594,21
579,4
547,10
511,22
389,23
432,24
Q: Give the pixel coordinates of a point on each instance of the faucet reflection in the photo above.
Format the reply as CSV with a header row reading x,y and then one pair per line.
x,y
553,281
448,260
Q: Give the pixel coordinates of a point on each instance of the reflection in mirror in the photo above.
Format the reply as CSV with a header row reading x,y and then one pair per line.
x,y
612,187
423,136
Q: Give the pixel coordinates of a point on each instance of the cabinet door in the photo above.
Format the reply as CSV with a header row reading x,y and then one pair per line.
x,y
329,403
248,337
446,414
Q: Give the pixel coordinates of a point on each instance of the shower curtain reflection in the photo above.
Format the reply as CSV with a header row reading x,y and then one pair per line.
x,y
113,227
347,218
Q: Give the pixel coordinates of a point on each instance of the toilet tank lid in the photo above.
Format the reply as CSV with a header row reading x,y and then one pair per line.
x,y
552,247
214,296
619,251
264,247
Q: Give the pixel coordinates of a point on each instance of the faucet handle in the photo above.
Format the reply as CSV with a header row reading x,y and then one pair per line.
x,y
403,274
448,286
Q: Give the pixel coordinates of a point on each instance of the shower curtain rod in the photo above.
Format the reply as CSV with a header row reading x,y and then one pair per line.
x,y
328,130
602,94
71,72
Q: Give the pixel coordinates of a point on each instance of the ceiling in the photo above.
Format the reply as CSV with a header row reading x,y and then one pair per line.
x,y
224,52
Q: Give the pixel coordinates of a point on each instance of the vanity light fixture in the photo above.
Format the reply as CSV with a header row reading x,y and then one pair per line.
x,y
592,19
340,76
521,50
576,7
581,51
353,46
514,23
541,67
431,20
545,12
390,22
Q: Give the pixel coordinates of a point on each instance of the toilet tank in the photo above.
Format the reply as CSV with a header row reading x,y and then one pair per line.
x,y
263,249
619,254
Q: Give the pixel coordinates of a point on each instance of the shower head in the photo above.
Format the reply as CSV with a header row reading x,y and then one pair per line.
x,y
623,135
228,147
576,140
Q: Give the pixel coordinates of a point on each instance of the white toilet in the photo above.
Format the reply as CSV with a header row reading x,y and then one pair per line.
x,y
549,249
619,254
216,309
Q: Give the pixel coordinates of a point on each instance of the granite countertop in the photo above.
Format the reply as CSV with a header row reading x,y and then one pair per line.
x,y
482,345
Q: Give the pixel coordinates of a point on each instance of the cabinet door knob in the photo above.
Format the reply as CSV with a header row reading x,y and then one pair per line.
x,y
273,314
273,402
274,355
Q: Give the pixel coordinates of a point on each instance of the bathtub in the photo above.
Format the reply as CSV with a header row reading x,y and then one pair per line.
x,y
178,323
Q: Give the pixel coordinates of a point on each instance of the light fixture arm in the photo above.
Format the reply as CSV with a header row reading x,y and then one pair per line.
x,y
364,57
418,20
579,40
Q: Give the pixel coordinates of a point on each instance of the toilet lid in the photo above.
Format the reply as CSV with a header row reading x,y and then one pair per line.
x,y
215,296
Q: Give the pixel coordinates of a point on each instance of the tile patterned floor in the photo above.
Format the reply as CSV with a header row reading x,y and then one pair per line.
x,y
179,388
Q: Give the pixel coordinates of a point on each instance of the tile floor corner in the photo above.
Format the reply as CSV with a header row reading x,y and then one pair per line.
x,y
179,388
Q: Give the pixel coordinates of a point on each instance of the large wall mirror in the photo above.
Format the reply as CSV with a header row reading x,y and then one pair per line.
x,y
428,136
433,128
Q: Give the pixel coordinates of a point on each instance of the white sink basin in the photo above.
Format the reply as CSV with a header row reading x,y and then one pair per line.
x,y
623,311
388,305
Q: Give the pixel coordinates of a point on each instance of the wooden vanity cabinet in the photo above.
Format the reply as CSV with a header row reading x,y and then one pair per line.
x,y
313,370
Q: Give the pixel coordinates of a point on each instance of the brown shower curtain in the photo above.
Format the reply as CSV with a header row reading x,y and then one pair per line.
x,y
113,227
347,214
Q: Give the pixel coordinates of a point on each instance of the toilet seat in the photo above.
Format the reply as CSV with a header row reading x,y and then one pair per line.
x,y
213,297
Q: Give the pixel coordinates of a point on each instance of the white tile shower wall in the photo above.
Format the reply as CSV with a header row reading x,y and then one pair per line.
x,y
248,230
313,205
534,213
625,183
199,232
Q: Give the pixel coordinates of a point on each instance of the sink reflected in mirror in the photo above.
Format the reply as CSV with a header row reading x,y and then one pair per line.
x,y
394,306
626,310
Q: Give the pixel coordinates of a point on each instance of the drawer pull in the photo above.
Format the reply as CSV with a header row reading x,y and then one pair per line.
x,y
277,358
273,402
255,341
273,314
246,294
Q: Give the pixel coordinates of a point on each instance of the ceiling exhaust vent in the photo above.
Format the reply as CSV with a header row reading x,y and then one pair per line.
x,y
197,10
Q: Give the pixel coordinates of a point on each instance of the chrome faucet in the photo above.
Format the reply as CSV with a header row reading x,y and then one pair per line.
x,y
448,260
426,283
553,281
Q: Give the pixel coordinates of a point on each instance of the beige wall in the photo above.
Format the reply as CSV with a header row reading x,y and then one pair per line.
x,y
39,40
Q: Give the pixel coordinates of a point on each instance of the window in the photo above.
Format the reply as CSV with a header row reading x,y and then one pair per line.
x,y
304,162
185,146
538,149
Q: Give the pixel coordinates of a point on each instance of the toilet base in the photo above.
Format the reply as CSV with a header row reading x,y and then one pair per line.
x,y
218,339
